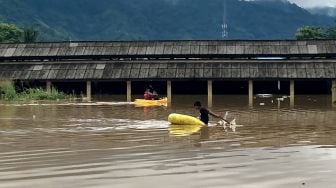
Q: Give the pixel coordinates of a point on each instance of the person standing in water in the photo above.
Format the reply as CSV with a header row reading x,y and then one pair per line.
x,y
204,113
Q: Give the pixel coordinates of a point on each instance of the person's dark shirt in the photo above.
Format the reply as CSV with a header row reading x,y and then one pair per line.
x,y
204,115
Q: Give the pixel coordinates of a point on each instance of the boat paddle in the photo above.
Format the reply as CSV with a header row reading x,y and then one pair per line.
x,y
226,121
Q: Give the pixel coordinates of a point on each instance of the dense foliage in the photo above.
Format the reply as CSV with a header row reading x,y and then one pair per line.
x,y
10,33
313,32
158,19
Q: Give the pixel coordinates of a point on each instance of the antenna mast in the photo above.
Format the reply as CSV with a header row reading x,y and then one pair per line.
x,y
225,32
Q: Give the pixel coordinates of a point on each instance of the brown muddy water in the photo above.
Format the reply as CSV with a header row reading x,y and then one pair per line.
x,y
114,144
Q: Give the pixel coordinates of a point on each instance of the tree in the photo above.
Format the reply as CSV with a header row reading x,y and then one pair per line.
x,y
331,33
10,33
310,32
30,35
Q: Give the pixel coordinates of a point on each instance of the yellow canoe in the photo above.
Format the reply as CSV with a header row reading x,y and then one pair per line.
x,y
145,103
184,130
179,119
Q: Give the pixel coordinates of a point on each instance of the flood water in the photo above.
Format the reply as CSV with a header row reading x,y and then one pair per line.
x,y
114,144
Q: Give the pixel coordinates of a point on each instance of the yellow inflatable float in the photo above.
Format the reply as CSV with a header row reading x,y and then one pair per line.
x,y
179,119
146,103
183,130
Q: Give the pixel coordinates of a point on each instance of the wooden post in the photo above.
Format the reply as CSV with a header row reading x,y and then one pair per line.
x,y
88,91
250,92
333,92
169,92
292,93
209,93
129,91
48,87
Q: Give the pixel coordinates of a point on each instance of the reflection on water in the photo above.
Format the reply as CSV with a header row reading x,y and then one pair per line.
x,y
114,144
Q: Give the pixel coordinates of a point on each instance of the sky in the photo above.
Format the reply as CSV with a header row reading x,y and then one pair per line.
x,y
315,3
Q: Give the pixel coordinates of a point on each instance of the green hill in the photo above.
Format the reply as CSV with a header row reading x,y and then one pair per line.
x,y
158,19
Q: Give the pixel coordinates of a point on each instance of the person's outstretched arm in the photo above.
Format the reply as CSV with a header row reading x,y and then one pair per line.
x,y
217,116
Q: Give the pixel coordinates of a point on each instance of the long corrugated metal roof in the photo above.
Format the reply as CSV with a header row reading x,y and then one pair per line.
x,y
174,70
168,49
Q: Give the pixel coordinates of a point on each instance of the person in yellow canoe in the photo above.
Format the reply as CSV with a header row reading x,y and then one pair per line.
x,y
150,95
204,113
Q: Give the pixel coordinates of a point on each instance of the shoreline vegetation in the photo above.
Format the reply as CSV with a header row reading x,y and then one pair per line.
x,y
9,93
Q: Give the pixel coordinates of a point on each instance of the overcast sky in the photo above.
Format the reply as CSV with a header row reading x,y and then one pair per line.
x,y
315,3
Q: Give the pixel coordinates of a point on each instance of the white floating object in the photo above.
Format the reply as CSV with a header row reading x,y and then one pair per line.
x,y
262,104
264,95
